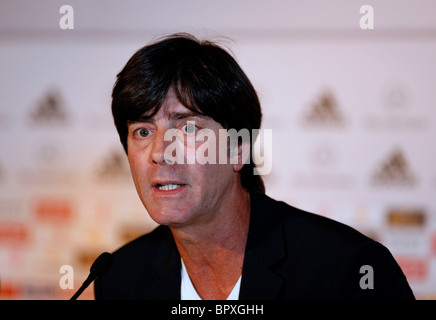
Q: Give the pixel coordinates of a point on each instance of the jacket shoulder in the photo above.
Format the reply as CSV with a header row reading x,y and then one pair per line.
x,y
132,267
324,258
307,226
144,244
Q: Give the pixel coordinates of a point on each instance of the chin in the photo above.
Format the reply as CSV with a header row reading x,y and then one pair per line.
x,y
171,218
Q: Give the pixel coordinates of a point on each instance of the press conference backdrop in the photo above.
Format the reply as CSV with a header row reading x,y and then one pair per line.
x,y
352,113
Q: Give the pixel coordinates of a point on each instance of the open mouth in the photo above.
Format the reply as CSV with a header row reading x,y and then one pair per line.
x,y
168,186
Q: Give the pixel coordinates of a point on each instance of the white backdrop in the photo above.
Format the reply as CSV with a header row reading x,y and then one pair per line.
x,y
353,114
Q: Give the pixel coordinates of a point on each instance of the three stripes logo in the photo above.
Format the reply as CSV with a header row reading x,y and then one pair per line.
x,y
49,110
114,168
324,112
394,171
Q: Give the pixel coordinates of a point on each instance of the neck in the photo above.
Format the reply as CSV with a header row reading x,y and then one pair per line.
x,y
228,230
214,253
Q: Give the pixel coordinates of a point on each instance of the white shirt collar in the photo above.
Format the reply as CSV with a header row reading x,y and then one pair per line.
x,y
188,292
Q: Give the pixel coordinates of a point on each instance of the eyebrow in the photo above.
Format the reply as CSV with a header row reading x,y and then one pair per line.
x,y
172,116
182,115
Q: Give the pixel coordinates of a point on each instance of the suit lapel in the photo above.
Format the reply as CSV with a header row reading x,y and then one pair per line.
x,y
265,247
167,268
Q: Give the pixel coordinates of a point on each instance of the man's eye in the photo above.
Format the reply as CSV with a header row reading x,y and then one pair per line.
x,y
143,132
189,128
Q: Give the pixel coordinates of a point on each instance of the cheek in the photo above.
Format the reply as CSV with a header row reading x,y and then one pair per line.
x,y
132,164
209,150
137,168
216,175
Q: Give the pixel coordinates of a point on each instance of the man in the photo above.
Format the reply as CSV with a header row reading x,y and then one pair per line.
x,y
220,236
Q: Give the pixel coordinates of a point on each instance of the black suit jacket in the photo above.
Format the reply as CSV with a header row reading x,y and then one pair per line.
x,y
290,254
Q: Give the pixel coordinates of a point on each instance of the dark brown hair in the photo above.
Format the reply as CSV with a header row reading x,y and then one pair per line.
x,y
205,78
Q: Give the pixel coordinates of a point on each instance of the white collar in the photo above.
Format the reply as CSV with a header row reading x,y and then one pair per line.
x,y
188,292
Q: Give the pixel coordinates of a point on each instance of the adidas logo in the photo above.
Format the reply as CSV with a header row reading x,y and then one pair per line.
x,y
49,110
394,171
114,168
324,112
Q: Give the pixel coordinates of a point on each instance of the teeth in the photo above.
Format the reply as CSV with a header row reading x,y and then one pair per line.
x,y
167,187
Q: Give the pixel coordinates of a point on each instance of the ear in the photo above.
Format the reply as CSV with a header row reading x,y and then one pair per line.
x,y
242,156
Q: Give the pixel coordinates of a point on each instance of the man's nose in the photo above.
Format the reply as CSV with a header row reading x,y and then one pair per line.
x,y
158,148
159,153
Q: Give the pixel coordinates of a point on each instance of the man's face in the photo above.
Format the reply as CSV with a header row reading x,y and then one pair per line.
x,y
177,194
